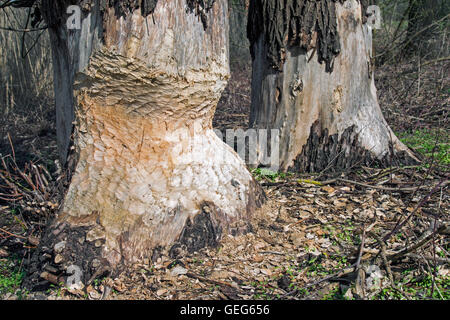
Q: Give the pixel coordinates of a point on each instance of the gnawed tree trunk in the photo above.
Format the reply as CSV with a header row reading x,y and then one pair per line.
x,y
313,80
151,175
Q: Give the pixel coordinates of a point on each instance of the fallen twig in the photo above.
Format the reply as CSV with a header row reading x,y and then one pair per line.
x,y
342,272
12,234
423,240
3,253
420,204
272,252
408,189
361,249
216,282
429,258
384,257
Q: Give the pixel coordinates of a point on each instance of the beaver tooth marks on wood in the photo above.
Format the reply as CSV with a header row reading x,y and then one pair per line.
x,y
309,24
344,102
150,170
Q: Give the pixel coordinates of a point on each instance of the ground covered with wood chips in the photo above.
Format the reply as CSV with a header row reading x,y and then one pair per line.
x,y
368,233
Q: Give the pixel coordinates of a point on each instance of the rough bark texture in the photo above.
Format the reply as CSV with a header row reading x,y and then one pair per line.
x,y
328,114
239,44
151,174
298,23
335,153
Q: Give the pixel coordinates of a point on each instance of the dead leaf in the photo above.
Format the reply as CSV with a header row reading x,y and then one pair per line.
x,y
320,232
328,189
178,270
338,204
3,253
260,245
160,292
119,286
297,238
220,274
258,258
267,272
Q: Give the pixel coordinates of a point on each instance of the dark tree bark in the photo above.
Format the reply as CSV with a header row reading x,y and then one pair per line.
x,y
150,174
239,45
313,80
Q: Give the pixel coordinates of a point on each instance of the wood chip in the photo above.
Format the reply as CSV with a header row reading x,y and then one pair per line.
x,y
160,292
3,253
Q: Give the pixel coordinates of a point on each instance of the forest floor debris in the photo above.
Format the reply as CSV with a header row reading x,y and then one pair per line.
x,y
307,244
365,234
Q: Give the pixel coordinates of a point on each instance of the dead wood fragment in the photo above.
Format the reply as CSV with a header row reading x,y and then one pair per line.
x,y
422,241
378,187
429,258
384,257
215,282
33,240
51,278
3,253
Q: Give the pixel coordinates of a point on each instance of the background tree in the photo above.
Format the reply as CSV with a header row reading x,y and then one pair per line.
x,y
141,80
421,17
313,79
26,78
239,45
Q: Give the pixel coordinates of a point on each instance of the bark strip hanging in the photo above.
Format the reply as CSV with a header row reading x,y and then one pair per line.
x,y
310,24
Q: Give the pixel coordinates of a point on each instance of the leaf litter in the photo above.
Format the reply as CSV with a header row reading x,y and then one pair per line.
x,y
369,233
305,247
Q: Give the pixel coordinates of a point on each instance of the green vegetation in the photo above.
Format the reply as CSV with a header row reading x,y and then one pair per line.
x,y
263,290
343,234
429,144
334,294
415,289
10,276
263,173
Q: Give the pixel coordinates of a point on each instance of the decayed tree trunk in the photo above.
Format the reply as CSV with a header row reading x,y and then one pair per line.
x,y
313,80
150,175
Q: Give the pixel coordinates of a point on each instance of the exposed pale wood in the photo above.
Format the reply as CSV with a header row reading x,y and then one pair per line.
x,y
151,175
340,106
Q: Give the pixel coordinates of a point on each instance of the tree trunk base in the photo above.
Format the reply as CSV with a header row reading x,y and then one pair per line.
x,y
330,153
325,106
72,256
151,175
64,257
